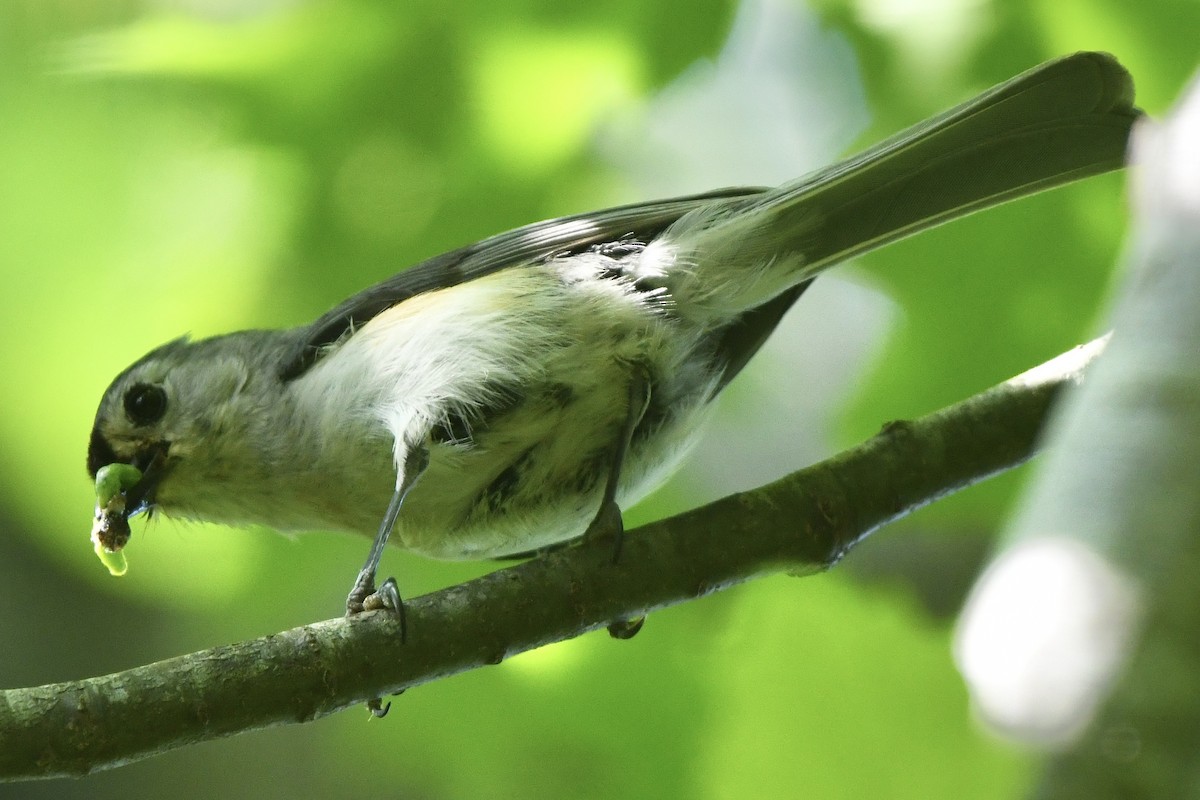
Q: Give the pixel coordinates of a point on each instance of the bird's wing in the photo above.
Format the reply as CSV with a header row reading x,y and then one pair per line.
x,y
529,244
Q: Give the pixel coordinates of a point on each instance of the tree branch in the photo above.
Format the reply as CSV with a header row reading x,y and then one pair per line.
x,y
802,523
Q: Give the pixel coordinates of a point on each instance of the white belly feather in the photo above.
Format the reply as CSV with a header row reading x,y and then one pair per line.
x,y
536,363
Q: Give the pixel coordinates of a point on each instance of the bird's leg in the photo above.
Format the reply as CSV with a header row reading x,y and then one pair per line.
x,y
607,522
364,596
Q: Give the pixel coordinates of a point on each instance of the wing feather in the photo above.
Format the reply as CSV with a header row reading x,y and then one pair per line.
x,y
529,244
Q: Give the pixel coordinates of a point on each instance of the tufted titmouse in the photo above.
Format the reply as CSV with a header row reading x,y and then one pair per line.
x,y
538,380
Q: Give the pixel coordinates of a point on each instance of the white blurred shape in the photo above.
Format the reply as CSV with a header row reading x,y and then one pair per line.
x,y
1104,552
783,98
932,35
1167,180
1042,637
225,10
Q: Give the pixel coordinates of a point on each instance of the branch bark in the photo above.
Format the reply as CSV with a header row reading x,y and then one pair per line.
x,y
802,523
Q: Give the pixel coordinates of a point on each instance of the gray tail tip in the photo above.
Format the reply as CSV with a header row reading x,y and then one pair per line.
x,y
1113,82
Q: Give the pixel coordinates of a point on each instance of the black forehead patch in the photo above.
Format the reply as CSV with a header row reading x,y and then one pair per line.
x,y
100,452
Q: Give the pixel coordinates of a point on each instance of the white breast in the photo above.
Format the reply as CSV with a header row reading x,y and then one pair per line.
x,y
538,361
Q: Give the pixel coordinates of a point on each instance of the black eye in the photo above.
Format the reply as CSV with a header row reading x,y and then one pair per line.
x,y
145,403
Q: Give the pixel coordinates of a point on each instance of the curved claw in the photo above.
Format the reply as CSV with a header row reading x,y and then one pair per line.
x,y
387,597
377,707
626,628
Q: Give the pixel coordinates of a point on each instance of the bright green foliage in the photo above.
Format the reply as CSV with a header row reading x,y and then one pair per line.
x,y
208,166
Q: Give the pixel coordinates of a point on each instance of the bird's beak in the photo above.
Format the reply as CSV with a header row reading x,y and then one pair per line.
x,y
152,461
116,503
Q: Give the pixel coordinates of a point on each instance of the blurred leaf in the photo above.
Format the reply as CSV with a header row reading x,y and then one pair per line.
x,y
209,165
540,95
834,693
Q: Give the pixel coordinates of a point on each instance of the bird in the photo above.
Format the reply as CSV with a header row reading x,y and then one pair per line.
x,y
515,394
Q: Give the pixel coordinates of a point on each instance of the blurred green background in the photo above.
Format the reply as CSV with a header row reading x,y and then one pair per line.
x,y
172,166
